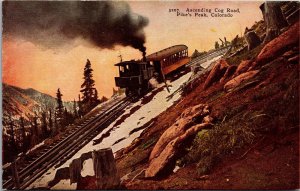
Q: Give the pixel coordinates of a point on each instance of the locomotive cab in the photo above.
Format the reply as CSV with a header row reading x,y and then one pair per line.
x,y
134,76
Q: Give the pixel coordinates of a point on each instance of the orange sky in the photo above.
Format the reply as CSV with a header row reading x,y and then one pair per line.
x,y
28,65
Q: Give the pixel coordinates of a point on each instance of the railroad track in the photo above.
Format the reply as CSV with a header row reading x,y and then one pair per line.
x,y
201,59
58,153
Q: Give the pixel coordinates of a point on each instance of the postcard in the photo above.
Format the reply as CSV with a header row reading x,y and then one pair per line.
x,y
150,95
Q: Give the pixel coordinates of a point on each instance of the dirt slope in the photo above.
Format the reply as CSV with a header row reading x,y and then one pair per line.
x,y
254,141
264,107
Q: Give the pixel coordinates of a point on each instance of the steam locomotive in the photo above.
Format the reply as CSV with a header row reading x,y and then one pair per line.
x,y
135,75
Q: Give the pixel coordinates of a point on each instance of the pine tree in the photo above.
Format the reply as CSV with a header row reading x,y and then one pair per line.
x,y
32,138
35,131
75,112
59,111
79,106
96,100
44,125
66,117
54,131
88,84
89,92
12,137
50,122
23,132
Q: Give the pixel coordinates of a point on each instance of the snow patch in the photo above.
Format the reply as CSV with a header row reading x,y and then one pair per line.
x,y
176,169
35,147
44,179
208,62
109,102
87,168
144,114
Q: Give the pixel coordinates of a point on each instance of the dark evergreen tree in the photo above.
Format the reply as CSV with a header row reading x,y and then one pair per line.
x,y
89,98
25,143
12,137
32,139
88,84
50,122
67,117
35,132
59,109
75,112
55,128
95,98
6,152
79,106
44,125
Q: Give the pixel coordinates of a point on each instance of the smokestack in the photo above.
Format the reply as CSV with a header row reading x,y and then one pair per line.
x,y
143,50
56,24
144,57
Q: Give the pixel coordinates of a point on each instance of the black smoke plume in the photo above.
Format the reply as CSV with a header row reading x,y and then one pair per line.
x,y
56,23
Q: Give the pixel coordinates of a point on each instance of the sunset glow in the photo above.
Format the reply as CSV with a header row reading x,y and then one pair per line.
x,y
28,65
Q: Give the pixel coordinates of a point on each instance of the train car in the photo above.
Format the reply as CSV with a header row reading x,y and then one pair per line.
x,y
169,59
134,75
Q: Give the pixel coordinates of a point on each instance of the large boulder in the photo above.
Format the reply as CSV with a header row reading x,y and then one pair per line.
x,y
229,72
239,79
189,123
216,73
279,45
243,67
184,121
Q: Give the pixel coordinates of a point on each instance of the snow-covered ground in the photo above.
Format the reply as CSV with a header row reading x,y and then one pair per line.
x,y
35,147
208,62
144,114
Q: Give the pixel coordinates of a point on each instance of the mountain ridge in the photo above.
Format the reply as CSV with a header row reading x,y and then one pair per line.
x,y
26,102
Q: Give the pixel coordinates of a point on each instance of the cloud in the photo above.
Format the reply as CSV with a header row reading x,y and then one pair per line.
x,y
54,24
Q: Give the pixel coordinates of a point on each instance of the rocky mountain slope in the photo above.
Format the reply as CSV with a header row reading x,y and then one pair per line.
x,y
26,102
254,106
236,128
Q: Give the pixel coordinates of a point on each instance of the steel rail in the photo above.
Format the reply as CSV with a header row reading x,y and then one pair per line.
x,y
202,59
115,108
77,144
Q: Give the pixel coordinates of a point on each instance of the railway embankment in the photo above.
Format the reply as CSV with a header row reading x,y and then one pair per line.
x,y
125,128
252,140
236,127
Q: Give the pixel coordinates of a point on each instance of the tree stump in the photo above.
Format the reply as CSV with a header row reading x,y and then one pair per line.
x,y
75,170
252,39
273,18
105,169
